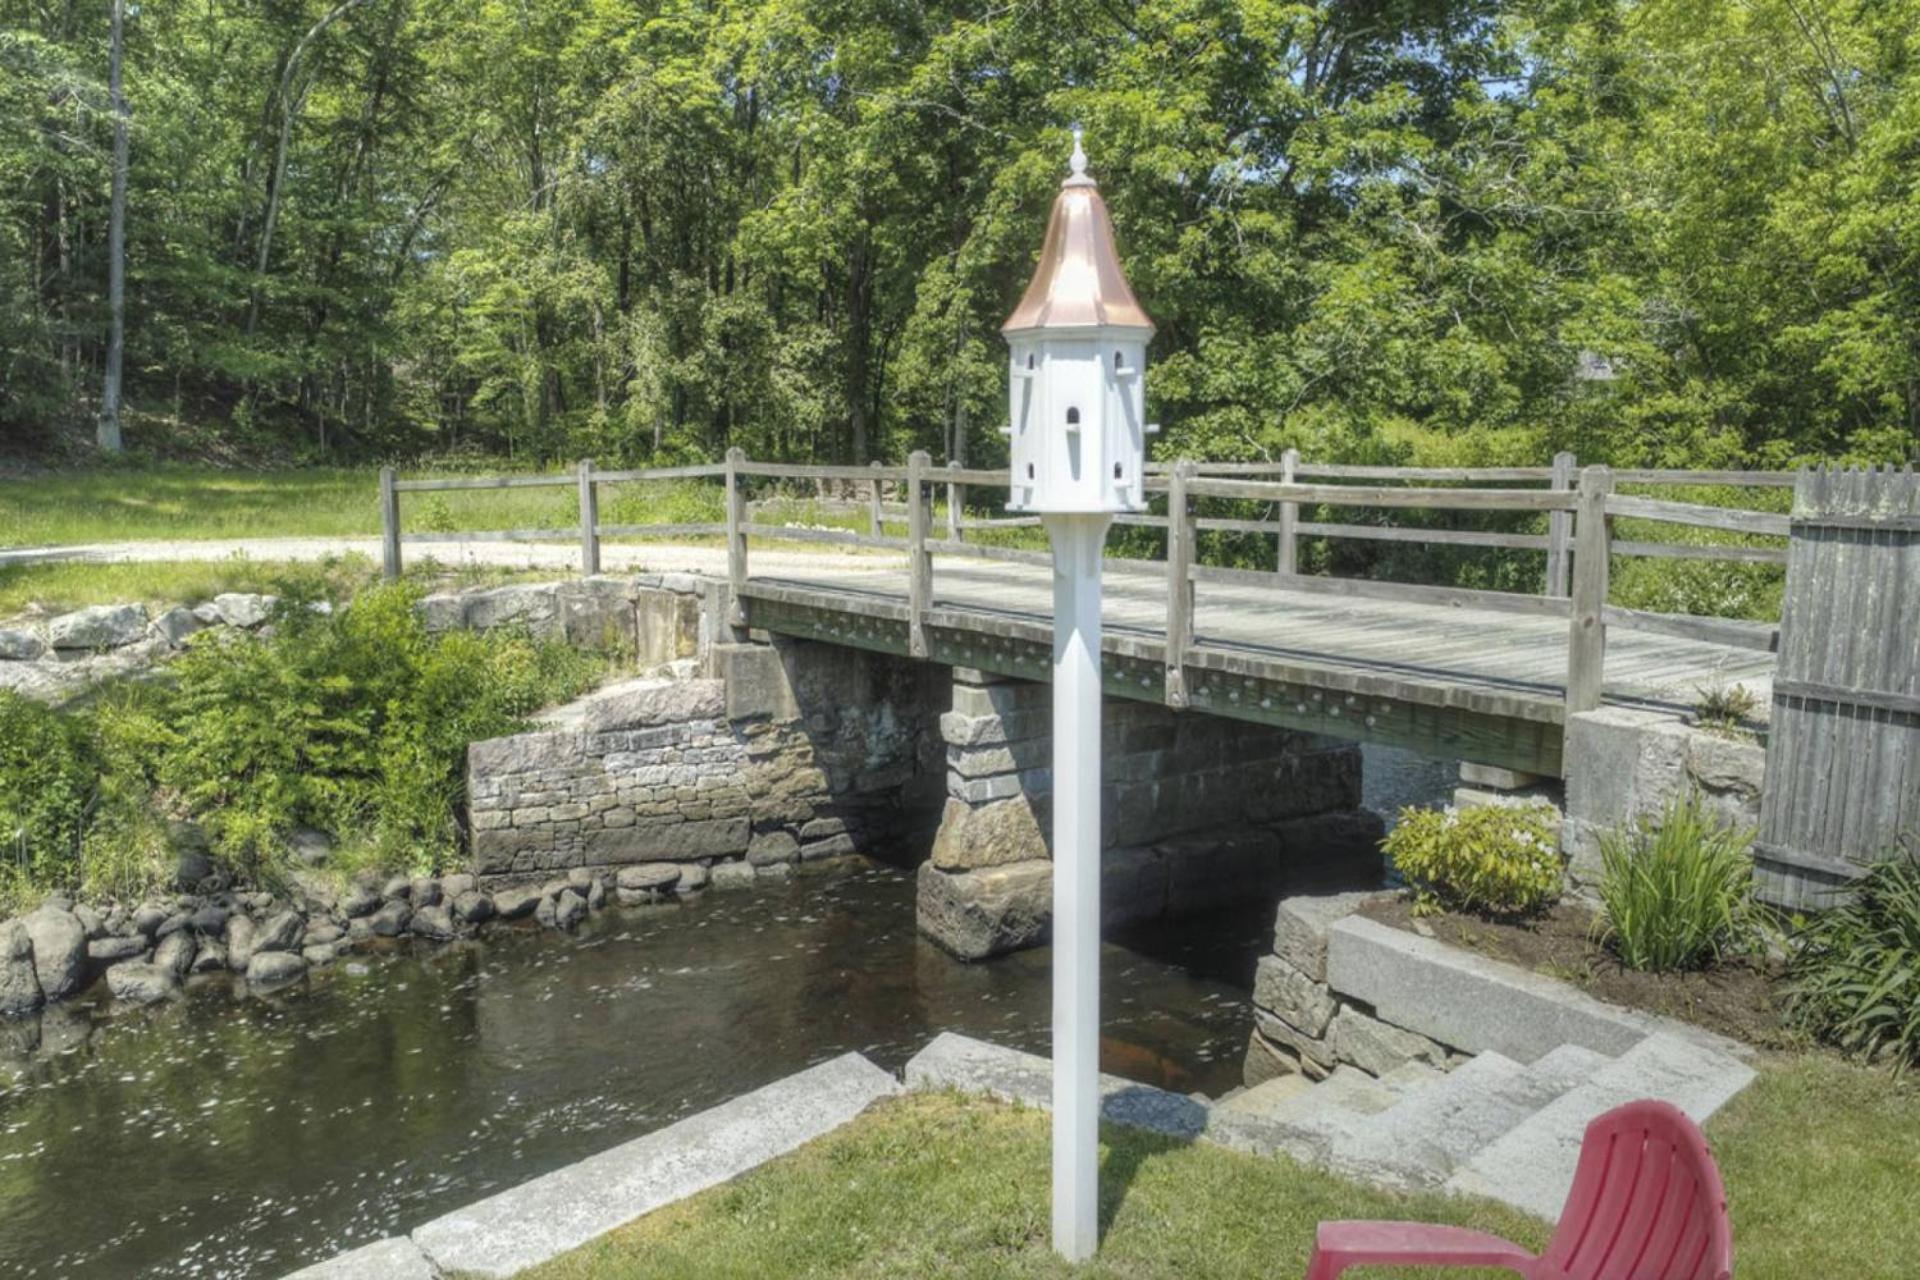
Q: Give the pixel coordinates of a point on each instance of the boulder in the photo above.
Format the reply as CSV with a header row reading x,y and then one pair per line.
x,y
210,958
19,985
732,875
20,646
173,924
771,847
175,953
360,900
597,895
472,907
569,909
512,904
694,877
453,886
396,887
241,933
579,879
310,848
176,624
281,933
244,608
657,877
434,922
91,920
323,954
275,968
322,934
545,913
112,950
104,626
390,921
149,917
59,950
192,867
425,892
209,921
976,914
139,983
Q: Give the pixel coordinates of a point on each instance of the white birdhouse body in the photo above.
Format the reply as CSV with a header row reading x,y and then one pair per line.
x,y
1077,404
1077,359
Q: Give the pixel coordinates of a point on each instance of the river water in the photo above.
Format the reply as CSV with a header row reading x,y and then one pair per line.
x,y
245,1137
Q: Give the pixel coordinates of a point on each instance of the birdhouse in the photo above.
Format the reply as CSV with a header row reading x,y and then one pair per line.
x,y
1077,356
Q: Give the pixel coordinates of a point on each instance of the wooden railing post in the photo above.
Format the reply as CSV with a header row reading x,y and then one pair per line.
x,y
736,537
1180,535
389,525
876,516
919,562
954,500
1289,558
589,520
1560,529
1587,632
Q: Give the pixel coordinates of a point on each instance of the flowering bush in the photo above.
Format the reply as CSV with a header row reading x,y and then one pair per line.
x,y
1497,859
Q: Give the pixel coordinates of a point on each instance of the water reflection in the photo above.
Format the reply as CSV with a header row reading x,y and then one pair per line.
x,y
234,1137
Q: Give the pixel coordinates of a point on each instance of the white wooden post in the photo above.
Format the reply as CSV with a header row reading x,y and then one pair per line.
x,y
1078,541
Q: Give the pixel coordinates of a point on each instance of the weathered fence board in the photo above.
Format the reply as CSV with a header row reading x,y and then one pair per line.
x,y
1843,758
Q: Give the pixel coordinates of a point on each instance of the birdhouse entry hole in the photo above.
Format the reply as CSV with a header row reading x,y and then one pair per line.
x,y
1118,363
1029,471
1029,359
1116,471
1073,417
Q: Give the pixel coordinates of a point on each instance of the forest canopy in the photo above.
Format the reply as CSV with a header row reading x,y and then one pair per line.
x,y
1657,232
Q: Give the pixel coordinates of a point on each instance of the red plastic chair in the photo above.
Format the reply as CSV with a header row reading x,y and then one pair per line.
x,y
1647,1203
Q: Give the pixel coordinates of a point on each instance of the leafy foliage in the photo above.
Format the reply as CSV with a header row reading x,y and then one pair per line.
x,y
1676,890
1661,232
1498,859
47,770
1856,967
355,720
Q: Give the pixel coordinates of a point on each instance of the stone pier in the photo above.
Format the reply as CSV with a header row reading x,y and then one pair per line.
x,y
1198,811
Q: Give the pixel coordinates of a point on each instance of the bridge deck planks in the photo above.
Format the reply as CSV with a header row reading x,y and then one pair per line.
x,y
1488,663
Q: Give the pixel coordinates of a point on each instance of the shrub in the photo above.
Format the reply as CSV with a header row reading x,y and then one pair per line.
x,y
1676,892
356,721
1855,971
1499,859
47,772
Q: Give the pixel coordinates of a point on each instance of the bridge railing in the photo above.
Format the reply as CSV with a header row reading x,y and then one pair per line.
x,y
1579,505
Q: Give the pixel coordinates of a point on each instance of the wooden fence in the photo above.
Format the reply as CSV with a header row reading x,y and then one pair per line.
x,y
1579,503
1843,760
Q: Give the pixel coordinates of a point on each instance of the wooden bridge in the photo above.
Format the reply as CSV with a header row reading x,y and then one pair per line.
x,y
1484,676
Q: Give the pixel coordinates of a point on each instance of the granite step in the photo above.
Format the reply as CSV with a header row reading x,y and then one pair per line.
x,y
1430,1132
1531,1165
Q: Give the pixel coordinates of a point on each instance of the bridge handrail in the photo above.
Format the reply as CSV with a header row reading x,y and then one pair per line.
x,y
1580,506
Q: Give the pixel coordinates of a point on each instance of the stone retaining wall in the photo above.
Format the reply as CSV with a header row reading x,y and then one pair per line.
x,y
787,754
1302,1024
1625,765
1198,811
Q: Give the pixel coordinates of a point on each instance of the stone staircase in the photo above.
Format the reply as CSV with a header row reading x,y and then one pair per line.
x,y
1493,1126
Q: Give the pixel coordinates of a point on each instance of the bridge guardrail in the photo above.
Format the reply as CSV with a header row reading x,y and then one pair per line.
x,y
1580,505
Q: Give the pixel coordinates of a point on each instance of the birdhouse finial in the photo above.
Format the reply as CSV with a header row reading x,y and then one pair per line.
x,y
1078,161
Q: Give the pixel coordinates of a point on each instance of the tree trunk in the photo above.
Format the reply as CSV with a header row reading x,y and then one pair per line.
x,y
109,429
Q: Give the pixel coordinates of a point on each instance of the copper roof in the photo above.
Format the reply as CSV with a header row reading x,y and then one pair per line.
x,y
1078,281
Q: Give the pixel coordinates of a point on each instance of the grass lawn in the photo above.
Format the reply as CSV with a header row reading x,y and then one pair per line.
x,y
1822,1161
61,586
